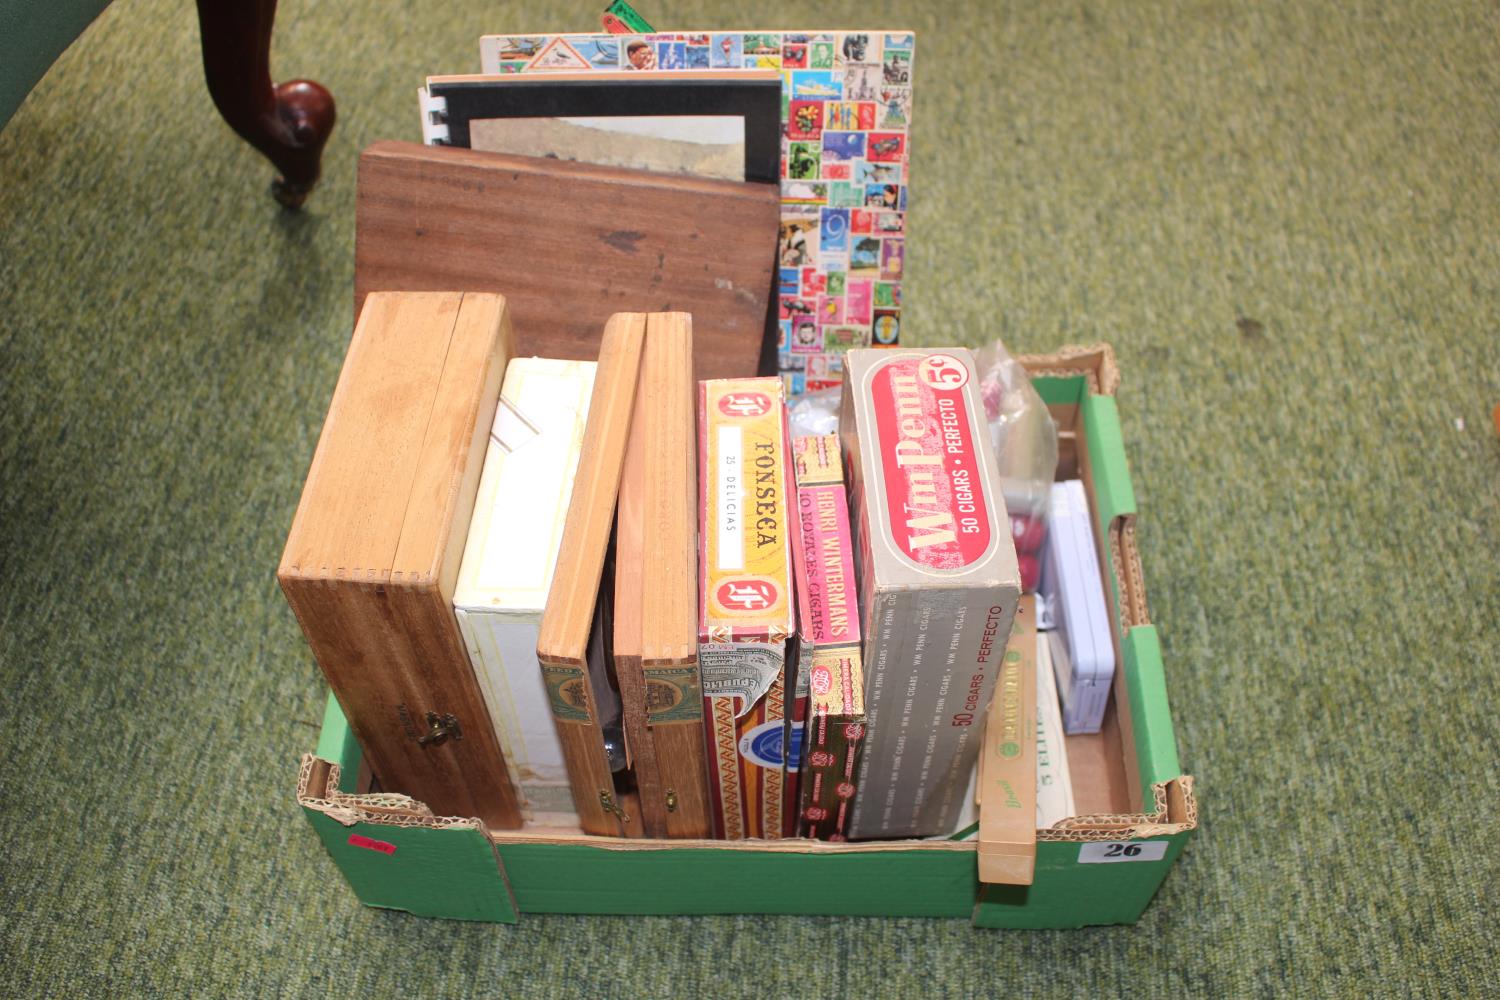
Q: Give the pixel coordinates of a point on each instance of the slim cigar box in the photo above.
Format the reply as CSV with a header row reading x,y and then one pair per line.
x,y
828,640
938,581
654,618
1135,809
571,640
530,461
1074,591
745,602
372,559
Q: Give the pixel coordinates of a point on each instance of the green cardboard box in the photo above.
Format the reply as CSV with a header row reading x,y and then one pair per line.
x,y
1103,866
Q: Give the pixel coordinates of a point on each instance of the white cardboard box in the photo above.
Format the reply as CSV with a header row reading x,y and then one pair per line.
x,y
508,563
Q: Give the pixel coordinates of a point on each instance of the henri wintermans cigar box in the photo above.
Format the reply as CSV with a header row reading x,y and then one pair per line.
x,y
746,607
938,581
828,640
514,536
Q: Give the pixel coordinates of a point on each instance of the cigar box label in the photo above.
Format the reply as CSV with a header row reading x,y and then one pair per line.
x,y
937,516
834,683
567,692
772,775
835,727
1008,690
817,461
745,581
742,672
673,695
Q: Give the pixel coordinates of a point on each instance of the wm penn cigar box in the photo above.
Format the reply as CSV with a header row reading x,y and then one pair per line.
x,y
828,640
938,581
745,602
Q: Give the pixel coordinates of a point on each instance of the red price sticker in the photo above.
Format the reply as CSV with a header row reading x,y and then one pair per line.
x,y
370,844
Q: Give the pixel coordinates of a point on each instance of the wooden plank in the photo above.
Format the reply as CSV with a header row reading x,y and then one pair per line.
x,y
1007,761
373,551
564,641
669,643
600,239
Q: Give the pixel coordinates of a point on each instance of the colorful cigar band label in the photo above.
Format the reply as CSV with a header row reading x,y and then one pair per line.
x,y
567,692
934,496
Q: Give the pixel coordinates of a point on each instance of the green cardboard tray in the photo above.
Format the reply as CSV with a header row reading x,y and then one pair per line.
x,y
1102,868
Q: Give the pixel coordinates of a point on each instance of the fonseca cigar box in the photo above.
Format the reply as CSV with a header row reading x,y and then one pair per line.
x,y
938,581
828,638
745,602
507,568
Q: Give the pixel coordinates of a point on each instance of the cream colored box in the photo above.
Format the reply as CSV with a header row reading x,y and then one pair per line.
x,y
508,563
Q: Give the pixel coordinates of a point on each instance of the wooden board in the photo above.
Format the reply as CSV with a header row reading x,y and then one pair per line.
x,y
568,622
372,557
570,244
1007,761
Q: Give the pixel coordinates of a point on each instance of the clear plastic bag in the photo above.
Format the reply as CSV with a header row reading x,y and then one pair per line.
x,y
1025,439
816,413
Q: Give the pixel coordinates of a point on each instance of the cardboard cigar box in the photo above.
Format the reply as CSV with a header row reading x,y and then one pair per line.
x,y
530,461
746,605
938,581
828,640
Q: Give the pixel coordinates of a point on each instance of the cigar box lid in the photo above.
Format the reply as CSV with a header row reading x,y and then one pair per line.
x,y
385,497
530,462
913,427
745,525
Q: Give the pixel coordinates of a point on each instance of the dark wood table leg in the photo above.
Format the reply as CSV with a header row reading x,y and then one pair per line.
x,y
288,122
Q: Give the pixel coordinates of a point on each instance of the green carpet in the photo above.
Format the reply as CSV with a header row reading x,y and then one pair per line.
x,y
1284,217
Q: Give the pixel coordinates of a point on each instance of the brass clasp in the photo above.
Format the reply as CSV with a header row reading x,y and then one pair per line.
x,y
439,729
